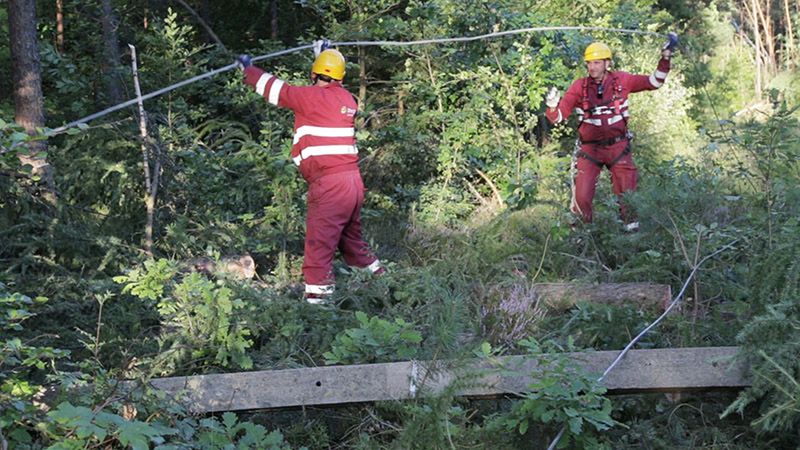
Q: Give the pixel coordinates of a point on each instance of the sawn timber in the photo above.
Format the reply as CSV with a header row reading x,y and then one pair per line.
x,y
658,370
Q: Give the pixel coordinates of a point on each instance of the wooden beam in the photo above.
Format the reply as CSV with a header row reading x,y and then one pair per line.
x,y
661,370
565,295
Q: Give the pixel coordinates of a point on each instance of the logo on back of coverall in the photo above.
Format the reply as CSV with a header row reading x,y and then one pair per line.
x,y
349,111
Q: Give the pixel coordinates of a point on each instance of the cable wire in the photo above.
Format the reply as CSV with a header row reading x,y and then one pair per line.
x,y
169,88
636,339
495,34
211,73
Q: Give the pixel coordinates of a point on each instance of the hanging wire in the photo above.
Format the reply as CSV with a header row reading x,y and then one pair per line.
x,y
169,88
636,339
494,35
84,120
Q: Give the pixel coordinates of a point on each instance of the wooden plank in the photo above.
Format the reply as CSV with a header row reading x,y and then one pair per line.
x,y
661,370
565,295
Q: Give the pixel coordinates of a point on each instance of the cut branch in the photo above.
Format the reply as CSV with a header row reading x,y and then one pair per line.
x,y
150,182
203,24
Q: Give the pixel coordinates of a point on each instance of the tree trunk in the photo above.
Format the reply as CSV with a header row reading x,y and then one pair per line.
x,y
764,15
28,98
110,65
362,78
273,19
60,26
789,36
757,40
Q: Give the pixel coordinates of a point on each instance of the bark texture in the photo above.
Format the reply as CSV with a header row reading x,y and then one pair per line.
x,y
28,97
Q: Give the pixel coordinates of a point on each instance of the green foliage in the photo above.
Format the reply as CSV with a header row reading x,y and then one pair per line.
x,y
12,137
468,195
588,324
80,426
76,427
771,340
200,318
230,433
562,393
376,340
149,281
22,367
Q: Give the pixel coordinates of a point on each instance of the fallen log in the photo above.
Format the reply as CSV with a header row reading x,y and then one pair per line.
x,y
661,370
566,295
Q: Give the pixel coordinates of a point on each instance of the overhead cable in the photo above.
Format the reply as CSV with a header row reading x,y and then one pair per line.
x,y
211,73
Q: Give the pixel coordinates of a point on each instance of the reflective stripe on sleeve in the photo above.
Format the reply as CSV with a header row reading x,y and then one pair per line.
x,y
262,83
297,160
660,75
595,122
309,130
275,92
654,82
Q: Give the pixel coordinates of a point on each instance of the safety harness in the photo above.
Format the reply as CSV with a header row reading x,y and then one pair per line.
x,y
616,100
616,97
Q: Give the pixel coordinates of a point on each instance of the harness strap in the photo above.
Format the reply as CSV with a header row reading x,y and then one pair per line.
x,y
623,153
627,150
616,90
582,154
611,141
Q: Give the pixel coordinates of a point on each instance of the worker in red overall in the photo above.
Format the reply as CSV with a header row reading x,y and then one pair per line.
x,y
324,149
600,101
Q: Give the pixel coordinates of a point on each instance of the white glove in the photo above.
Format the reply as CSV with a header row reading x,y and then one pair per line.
x,y
320,46
552,98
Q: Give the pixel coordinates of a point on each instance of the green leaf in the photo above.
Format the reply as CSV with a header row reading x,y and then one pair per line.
x,y
229,420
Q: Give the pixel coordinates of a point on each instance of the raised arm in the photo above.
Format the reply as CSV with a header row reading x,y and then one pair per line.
x,y
559,109
656,79
273,89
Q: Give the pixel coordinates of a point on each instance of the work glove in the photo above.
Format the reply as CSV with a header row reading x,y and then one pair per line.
x,y
320,46
244,61
552,98
670,46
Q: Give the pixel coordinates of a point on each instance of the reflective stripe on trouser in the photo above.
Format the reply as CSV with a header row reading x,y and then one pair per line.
x,y
623,177
333,221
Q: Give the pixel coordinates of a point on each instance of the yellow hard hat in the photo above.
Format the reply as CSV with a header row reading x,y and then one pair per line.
x,y
595,51
329,63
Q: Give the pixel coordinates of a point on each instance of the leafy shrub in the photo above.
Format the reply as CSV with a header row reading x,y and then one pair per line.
x,y
562,393
771,340
21,365
376,340
78,427
200,318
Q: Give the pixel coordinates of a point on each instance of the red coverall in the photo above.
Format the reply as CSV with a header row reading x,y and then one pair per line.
x,y
603,133
325,150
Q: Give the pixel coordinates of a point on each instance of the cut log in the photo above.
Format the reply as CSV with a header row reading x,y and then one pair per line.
x,y
662,370
565,295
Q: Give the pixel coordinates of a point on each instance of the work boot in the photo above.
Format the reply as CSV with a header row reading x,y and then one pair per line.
x,y
632,227
316,294
318,299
